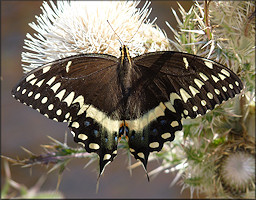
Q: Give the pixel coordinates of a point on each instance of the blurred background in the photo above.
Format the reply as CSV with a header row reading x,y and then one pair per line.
x,y
23,126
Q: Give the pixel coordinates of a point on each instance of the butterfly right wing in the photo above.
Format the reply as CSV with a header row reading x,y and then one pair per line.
x,y
167,87
83,91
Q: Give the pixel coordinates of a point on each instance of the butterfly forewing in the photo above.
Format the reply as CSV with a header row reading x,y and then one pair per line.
x,y
194,85
70,83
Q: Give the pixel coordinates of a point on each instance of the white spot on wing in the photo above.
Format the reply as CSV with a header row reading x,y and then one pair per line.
x,y
185,112
185,96
193,90
141,155
18,88
51,80
198,83
30,94
23,91
46,69
230,86
222,77
73,133
68,65
67,115
75,125
44,100
174,123
56,87
30,77
154,145
217,91
94,146
107,156
170,106
203,102
81,144
80,100
215,79
40,83
166,135
69,98
209,95
236,82
174,96
203,76
84,108
61,94
225,72
82,136
50,107
185,62
224,88
37,96
58,112
159,111
33,81
208,64
195,108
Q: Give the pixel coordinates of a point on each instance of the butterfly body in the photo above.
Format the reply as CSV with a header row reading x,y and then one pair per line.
x,y
144,98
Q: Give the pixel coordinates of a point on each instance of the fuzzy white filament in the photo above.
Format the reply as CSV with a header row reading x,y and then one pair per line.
x,y
76,27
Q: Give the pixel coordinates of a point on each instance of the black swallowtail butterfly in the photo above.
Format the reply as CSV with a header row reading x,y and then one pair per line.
x,y
103,97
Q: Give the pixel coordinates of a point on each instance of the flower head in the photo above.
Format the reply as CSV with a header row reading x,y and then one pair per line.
x,y
76,27
235,168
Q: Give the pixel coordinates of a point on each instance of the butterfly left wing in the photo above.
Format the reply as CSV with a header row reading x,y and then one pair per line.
x,y
77,90
170,86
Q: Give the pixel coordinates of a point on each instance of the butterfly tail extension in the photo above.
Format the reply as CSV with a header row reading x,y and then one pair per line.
x,y
96,138
149,133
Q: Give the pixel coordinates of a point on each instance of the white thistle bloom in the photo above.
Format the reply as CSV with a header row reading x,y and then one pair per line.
x,y
76,27
238,169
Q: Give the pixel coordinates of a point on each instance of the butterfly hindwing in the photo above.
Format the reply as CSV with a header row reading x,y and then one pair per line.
x,y
149,133
96,133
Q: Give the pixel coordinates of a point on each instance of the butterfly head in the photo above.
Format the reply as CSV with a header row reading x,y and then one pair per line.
x,y
125,54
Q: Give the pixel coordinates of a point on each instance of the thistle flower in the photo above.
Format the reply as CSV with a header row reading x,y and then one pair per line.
x,y
235,168
72,27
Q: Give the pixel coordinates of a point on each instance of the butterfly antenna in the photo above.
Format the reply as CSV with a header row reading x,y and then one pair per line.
x,y
142,21
119,39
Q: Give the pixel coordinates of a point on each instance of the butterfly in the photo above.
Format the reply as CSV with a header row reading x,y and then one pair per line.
x,y
145,98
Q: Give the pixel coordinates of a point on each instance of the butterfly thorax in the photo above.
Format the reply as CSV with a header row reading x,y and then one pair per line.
x,y
124,70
